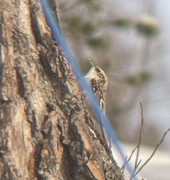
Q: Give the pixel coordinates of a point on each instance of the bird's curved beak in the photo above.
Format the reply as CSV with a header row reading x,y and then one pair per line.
x,y
91,62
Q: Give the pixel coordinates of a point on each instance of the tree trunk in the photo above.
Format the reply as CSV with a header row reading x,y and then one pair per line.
x,y
46,131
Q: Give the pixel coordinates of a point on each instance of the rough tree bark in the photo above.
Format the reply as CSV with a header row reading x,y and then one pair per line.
x,y
46,131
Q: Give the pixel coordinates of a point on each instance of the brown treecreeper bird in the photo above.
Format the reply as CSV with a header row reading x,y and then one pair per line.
x,y
98,81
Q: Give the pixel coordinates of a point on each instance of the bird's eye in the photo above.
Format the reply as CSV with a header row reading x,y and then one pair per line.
x,y
98,70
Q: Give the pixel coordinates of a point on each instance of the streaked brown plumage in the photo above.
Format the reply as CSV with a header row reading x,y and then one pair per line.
x,y
98,81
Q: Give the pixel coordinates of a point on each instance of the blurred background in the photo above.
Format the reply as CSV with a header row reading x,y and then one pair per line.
x,y
130,40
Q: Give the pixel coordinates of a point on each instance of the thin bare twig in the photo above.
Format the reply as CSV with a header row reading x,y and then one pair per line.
x,y
163,137
123,167
138,163
128,159
134,174
140,138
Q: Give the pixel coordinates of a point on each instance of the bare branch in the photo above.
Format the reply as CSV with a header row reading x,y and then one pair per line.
x,y
163,137
140,138
125,162
128,159
137,163
134,174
